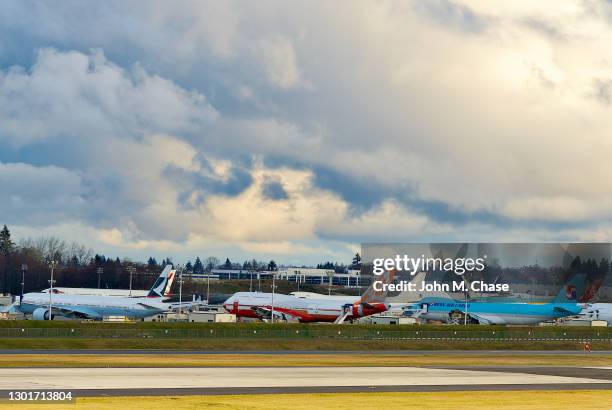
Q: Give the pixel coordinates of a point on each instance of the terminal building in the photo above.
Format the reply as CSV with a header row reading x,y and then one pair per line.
x,y
311,276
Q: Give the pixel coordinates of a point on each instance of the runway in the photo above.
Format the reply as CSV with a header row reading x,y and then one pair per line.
x,y
243,380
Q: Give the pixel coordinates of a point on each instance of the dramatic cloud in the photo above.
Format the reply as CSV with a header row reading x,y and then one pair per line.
x,y
294,129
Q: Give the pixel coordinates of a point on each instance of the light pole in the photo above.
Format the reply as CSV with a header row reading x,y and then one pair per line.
x,y
180,290
466,309
208,287
51,282
251,283
100,271
131,269
273,287
24,268
330,276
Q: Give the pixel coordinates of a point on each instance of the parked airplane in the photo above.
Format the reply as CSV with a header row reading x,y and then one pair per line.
x,y
455,311
597,311
115,292
45,306
295,309
399,300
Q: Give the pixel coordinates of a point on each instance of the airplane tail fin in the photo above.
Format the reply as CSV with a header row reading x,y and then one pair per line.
x,y
371,294
571,291
407,296
171,277
162,284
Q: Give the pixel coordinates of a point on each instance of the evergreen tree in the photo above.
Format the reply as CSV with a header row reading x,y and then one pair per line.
x,y
227,264
6,248
356,261
272,266
189,266
198,267
152,262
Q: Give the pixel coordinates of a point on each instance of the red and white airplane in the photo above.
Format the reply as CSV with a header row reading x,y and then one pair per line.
x,y
294,309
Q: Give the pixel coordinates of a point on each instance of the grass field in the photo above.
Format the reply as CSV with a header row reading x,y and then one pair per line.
x,y
290,360
584,400
280,344
55,324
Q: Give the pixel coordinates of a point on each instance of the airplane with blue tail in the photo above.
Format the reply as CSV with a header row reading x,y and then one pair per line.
x,y
498,313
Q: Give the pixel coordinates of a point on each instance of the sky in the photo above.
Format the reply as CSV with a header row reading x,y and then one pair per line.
x,y
295,131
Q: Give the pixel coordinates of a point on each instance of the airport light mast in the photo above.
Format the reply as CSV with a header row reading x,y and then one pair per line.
x,y
52,264
180,269
208,286
465,315
273,288
24,268
131,269
100,271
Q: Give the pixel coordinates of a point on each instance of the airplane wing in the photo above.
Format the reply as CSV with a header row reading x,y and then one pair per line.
x,y
484,319
76,312
184,305
7,309
564,311
265,313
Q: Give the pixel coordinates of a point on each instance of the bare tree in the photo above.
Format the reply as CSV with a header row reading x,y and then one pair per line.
x,y
79,253
210,263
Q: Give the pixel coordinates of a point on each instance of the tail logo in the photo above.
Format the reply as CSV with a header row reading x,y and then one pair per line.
x,y
571,292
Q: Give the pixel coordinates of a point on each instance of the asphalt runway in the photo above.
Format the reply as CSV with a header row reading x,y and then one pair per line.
x,y
250,380
307,352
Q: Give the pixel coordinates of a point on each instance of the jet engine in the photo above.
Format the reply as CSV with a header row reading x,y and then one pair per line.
x,y
41,314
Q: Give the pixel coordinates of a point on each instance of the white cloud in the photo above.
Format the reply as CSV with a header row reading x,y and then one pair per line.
x,y
482,109
280,62
71,94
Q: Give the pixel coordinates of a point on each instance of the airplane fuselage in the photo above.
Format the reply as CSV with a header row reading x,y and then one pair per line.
x,y
94,307
440,309
250,304
597,311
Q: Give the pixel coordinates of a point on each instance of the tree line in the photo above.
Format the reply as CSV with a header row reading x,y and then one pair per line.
x,y
78,266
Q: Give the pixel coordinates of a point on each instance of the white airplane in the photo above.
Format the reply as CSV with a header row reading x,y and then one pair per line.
x,y
45,306
597,311
112,292
394,303
295,309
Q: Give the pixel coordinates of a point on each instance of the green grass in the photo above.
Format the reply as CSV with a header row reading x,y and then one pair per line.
x,y
300,326
284,344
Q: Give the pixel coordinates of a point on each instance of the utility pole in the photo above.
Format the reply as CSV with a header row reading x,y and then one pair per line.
x,y
273,288
131,269
51,282
100,270
208,287
24,268
180,268
251,283
330,276
466,309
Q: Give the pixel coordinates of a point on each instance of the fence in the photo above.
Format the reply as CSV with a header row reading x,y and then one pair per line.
x,y
307,333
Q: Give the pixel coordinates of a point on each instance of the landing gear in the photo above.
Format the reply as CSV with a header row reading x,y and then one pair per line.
x,y
457,317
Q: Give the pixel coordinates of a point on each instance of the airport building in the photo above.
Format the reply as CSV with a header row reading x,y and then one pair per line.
x,y
311,276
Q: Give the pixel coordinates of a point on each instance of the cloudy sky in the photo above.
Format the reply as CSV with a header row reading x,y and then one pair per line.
x,y
297,130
